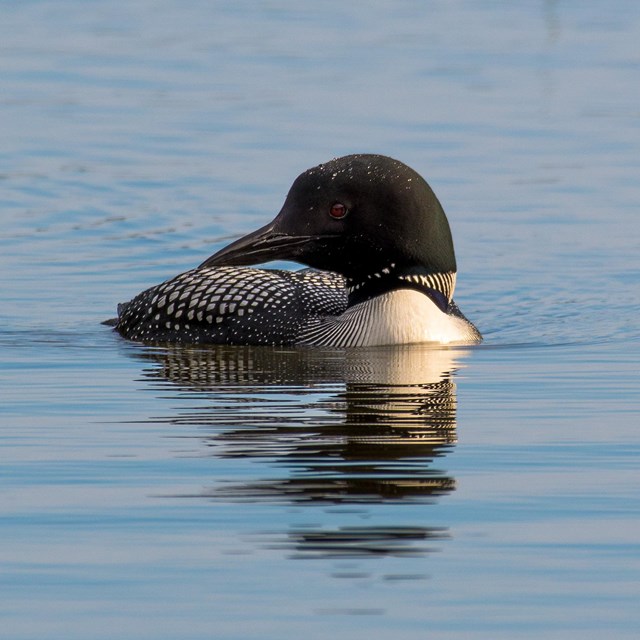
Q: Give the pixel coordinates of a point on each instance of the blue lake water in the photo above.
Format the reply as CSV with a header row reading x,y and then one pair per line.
x,y
408,492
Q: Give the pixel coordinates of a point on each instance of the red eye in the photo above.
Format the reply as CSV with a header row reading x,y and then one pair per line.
x,y
338,211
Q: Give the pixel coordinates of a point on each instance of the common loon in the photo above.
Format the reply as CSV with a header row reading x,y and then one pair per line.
x,y
383,270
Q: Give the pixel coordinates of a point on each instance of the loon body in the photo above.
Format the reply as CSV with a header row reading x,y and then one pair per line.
x,y
383,270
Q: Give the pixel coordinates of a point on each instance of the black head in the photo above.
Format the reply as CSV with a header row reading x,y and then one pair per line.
x,y
355,215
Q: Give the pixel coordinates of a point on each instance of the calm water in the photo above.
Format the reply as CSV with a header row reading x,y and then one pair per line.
x,y
413,492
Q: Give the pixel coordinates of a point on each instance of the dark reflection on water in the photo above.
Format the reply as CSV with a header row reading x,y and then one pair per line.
x,y
358,542
338,427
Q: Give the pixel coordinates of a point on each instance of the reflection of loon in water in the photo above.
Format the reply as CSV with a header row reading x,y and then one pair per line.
x,y
344,427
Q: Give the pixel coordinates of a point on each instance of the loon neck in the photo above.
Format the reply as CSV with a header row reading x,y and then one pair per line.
x,y
438,287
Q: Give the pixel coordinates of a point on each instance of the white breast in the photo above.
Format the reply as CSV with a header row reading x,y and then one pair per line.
x,y
403,316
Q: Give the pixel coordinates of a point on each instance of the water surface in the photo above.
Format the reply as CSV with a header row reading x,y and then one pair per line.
x,y
156,492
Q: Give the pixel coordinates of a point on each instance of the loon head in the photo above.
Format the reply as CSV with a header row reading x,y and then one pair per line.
x,y
359,215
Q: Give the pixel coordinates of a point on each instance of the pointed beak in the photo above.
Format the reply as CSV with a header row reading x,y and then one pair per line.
x,y
263,245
